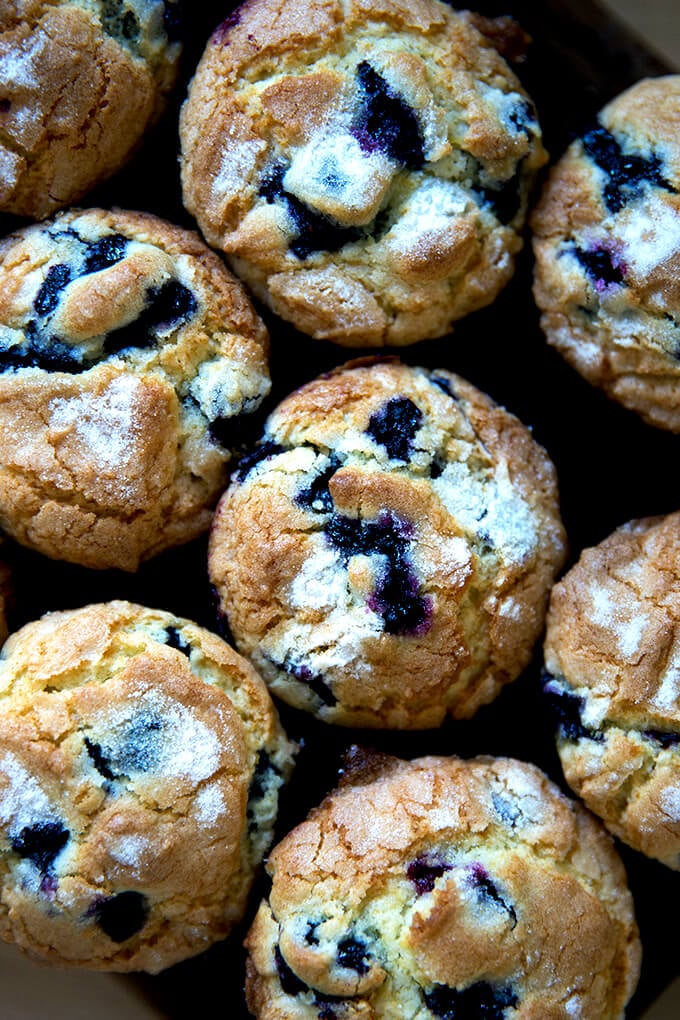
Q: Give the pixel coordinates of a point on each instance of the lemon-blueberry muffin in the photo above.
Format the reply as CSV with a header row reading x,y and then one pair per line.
x,y
607,244
443,888
140,764
612,658
128,354
80,82
384,555
365,165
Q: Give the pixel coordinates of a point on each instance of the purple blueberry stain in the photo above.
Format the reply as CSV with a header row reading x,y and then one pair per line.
x,y
603,265
312,231
566,709
479,1001
40,843
120,916
662,737
424,872
99,759
352,954
56,279
288,979
316,496
627,172
487,891
249,462
386,123
394,427
175,639
397,597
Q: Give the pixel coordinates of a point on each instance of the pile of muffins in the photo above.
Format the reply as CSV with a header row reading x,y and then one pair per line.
x,y
383,543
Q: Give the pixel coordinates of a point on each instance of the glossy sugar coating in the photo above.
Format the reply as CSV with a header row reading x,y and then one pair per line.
x,y
607,245
365,165
443,888
128,353
384,555
612,658
80,82
140,764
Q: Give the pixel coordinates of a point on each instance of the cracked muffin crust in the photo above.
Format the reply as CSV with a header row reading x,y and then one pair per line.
x,y
607,245
384,555
612,659
128,352
80,82
140,764
364,165
444,888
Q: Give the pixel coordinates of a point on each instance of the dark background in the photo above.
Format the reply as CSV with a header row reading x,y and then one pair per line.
x,y
611,467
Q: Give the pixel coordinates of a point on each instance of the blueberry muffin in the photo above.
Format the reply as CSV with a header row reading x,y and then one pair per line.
x,y
607,244
80,82
384,555
612,658
128,354
444,888
140,765
365,165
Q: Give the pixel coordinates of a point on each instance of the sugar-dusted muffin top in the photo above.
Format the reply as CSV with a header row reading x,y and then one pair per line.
x,y
365,165
140,764
607,244
80,82
384,555
444,888
128,354
612,658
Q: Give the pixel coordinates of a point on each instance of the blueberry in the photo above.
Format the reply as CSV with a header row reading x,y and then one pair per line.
x,y
488,892
5,105
479,1001
444,385
290,982
628,172
316,683
174,639
40,843
601,265
386,122
394,426
120,916
425,871
663,738
352,955
49,354
316,496
105,252
168,305
251,460
566,708
313,232
396,597
99,759
47,298
311,938
437,466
